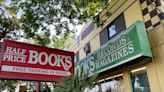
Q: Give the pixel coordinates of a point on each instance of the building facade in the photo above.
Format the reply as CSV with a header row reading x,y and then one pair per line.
x,y
133,30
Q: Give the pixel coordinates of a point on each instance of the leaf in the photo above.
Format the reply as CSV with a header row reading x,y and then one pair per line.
x,y
41,14
2,1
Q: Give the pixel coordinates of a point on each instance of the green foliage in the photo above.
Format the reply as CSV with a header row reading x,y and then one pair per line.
x,y
9,84
45,87
63,41
42,39
9,24
76,83
45,15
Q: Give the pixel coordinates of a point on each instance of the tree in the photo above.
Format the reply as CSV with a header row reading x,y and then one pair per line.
x,y
76,83
45,15
63,41
9,84
9,24
45,87
59,15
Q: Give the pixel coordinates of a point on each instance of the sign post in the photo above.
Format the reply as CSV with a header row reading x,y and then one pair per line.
x,y
38,86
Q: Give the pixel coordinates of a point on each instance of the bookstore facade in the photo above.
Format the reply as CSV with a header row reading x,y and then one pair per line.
x,y
127,51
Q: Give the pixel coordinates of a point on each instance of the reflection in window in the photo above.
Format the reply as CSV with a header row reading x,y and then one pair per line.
x,y
112,31
78,40
87,48
139,80
114,84
75,58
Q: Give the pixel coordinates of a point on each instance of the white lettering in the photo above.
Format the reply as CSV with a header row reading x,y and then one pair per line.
x,y
131,48
53,60
33,57
45,58
92,64
8,49
68,63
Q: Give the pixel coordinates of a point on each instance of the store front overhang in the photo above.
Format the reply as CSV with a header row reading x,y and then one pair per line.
x,y
123,48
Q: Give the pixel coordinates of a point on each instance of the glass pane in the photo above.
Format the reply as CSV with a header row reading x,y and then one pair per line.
x,y
75,60
111,85
78,40
118,85
112,31
140,81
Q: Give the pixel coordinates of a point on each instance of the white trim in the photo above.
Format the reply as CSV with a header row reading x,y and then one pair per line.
x,y
15,54
18,69
101,80
138,69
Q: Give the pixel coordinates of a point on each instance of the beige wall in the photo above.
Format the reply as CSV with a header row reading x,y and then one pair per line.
x,y
127,81
132,14
156,67
156,37
82,54
119,8
95,43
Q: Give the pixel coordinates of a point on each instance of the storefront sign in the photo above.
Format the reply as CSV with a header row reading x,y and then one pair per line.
x,y
128,45
30,62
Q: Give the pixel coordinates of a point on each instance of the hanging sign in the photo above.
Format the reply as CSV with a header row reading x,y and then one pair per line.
x,y
31,62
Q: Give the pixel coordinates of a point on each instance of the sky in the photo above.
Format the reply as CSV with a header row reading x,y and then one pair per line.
x,y
7,2
79,28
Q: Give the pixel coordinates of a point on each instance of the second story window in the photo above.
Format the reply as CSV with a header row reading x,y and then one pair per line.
x,y
76,57
78,40
112,29
87,49
87,31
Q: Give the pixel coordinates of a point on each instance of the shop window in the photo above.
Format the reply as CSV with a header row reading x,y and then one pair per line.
x,y
111,84
87,49
139,80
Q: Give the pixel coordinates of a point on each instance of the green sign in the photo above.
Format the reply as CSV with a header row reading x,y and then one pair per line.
x,y
127,46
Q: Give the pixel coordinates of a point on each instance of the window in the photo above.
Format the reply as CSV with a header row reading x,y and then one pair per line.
x,y
120,23
111,84
112,29
76,57
104,37
87,31
108,33
114,85
87,49
139,80
78,40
